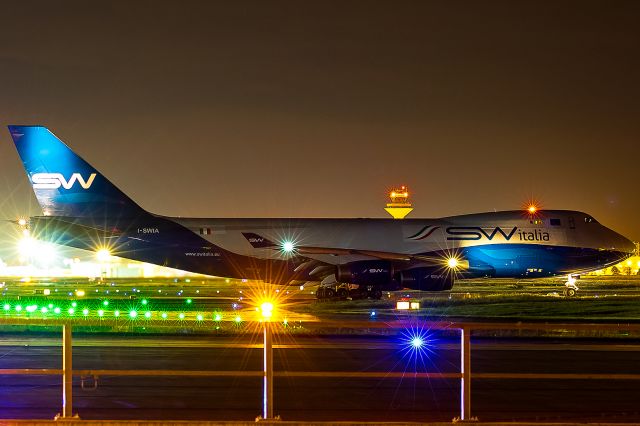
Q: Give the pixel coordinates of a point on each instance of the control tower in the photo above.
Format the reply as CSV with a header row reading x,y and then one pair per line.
x,y
399,207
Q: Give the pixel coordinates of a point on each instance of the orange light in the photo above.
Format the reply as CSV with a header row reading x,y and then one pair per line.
x,y
401,192
532,207
266,310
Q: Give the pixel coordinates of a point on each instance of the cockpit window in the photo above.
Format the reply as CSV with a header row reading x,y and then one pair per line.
x,y
554,222
589,219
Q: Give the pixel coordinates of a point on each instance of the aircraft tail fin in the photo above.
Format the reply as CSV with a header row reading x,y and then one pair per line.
x,y
64,183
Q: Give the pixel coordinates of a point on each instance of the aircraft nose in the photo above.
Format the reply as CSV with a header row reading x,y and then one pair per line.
x,y
625,245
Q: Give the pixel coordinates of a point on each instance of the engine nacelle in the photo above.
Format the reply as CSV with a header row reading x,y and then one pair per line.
x,y
365,272
426,279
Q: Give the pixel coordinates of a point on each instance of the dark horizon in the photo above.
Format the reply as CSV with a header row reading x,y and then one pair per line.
x,y
267,109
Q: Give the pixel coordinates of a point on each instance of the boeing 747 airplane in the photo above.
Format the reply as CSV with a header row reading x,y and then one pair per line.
x,y
82,209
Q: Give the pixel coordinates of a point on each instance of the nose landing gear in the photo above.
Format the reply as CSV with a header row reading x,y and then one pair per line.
x,y
571,289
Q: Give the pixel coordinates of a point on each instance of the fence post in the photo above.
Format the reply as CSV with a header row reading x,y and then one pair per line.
x,y
267,390
465,367
67,372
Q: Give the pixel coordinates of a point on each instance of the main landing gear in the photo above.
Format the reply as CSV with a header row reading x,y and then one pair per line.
x,y
345,291
571,289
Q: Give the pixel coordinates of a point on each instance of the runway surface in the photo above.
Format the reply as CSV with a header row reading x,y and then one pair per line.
x,y
604,299
323,398
398,397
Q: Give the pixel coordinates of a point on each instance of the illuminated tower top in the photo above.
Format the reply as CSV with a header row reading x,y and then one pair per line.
x,y
399,207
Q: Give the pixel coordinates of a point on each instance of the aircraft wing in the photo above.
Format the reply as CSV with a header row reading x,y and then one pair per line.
x,y
258,241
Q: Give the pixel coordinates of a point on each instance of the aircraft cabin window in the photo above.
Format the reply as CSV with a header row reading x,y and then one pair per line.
x,y
554,222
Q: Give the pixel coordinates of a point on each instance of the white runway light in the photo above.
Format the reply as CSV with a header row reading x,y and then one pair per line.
x,y
103,255
287,247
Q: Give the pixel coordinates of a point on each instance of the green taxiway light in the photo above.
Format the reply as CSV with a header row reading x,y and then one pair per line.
x,y
189,301
57,310
217,317
50,305
105,303
116,313
44,310
71,311
18,308
181,316
238,319
144,301
147,314
7,307
133,314
85,312
164,315
199,317
100,312
74,304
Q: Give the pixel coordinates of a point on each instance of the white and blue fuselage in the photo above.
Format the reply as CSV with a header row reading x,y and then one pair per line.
x,y
83,209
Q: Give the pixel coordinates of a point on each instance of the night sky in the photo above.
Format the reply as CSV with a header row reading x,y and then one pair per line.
x,y
315,109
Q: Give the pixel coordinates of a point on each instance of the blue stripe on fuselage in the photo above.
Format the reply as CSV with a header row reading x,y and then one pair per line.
x,y
508,260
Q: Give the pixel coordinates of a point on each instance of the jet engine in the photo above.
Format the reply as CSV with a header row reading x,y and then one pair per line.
x,y
378,273
426,279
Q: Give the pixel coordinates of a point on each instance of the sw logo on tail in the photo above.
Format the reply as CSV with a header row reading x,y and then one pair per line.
x,y
56,180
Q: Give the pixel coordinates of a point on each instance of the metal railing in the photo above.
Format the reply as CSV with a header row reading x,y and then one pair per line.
x,y
465,376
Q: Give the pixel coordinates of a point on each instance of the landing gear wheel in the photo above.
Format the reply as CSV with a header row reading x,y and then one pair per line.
x,y
570,286
343,293
374,293
320,293
329,293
